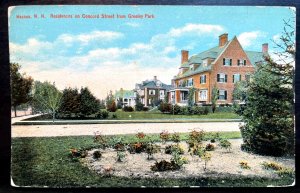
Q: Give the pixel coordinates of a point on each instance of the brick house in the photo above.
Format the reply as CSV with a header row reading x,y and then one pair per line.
x,y
151,91
125,97
220,66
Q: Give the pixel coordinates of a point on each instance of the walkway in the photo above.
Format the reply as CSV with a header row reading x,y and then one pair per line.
x,y
112,129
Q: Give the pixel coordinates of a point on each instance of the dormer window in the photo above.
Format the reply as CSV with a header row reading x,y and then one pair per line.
x,y
241,62
205,62
227,61
191,66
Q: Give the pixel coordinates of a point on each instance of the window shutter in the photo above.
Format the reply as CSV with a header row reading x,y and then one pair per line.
x,y
200,80
240,77
218,77
238,62
225,77
225,93
204,78
233,78
244,62
218,94
230,62
223,61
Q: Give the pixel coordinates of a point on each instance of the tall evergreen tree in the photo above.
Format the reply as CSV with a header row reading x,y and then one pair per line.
x,y
70,102
268,114
88,102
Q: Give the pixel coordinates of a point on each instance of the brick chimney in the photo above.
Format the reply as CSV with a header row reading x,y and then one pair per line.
x,y
223,39
265,48
155,78
184,56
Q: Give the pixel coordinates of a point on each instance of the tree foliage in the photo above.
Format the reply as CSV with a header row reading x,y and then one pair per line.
x,y
78,104
214,98
191,97
268,113
46,98
111,103
20,85
138,104
88,102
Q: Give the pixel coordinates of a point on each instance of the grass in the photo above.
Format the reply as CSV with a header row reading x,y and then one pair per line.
x,y
148,115
158,115
45,162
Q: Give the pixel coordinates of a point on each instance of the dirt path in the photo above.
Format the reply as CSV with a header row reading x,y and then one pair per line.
x,y
112,129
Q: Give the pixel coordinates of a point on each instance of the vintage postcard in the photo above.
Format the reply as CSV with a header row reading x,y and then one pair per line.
x,y
152,96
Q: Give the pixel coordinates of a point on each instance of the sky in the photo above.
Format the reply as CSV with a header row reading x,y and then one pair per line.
x,y
111,53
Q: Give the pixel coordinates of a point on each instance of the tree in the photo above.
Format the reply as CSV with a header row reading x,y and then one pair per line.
x,y
214,98
110,103
138,104
47,97
88,103
191,97
70,102
20,86
268,114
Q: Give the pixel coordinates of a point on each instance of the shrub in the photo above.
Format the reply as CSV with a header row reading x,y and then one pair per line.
x,y
175,137
244,165
272,165
151,149
177,159
174,148
136,147
120,156
140,135
102,114
128,109
145,108
164,166
164,136
100,139
196,136
225,144
97,154
112,107
214,137
165,107
210,147
114,116
75,154
206,157
176,109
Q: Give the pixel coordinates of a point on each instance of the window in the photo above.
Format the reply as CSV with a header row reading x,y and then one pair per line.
x,y
190,82
205,62
236,78
191,66
151,92
161,94
222,94
247,77
221,77
202,95
241,62
202,79
227,61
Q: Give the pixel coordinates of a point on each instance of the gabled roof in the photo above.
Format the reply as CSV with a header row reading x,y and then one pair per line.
x,y
198,58
153,84
214,53
124,94
255,57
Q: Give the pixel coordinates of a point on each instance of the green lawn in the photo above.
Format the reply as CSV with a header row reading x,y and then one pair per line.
x,y
158,115
45,162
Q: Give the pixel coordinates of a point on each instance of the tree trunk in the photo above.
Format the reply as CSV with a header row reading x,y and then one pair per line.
x,y
53,116
15,109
